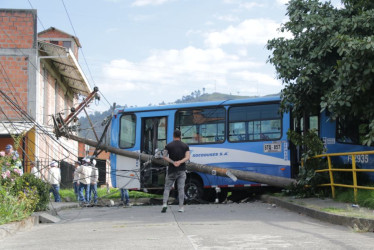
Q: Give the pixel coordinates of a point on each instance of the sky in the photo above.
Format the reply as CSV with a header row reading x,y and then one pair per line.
x,y
141,52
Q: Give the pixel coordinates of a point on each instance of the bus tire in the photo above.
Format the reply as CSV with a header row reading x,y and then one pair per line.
x,y
193,190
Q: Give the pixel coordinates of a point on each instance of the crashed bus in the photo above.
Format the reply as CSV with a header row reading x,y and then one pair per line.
x,y
246,135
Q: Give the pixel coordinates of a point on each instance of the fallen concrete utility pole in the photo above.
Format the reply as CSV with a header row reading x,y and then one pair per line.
x,y
231,173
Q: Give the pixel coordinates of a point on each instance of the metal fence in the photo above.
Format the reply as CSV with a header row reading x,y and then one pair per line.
x,y
353,169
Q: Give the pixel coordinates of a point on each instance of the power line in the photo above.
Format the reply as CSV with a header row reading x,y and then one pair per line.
x,y
37,15
26,115
72,26
84,57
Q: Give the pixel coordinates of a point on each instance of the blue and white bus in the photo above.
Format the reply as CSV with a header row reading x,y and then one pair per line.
x,y
246,134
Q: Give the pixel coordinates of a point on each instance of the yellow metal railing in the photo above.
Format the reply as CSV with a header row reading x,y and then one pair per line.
x,y
354,171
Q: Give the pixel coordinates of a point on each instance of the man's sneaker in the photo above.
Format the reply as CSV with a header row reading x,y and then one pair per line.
x,y
127,205
164,209
181,210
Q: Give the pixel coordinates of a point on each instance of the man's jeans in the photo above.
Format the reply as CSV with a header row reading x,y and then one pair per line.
x,y
125,196
86,188
55,189
180,178
93,189
76,190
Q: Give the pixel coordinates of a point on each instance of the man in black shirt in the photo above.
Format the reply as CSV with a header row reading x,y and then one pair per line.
x,y
176,153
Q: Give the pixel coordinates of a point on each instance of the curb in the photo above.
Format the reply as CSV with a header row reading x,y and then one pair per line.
x,y
54,209
352,222
12,228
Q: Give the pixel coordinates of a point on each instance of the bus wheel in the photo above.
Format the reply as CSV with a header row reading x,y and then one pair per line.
x,y
193,190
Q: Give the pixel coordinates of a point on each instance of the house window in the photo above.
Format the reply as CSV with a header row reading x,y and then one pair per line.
x,y
54,42
66,44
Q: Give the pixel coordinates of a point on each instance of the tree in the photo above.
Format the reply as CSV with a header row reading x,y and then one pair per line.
x,y
329,61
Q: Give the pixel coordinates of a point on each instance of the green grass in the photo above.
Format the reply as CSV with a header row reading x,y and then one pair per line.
x,y
333,210
114,193
357,213
365,198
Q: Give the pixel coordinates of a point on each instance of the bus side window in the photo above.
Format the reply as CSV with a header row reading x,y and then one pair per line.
x,y
350,131
254,123
201,125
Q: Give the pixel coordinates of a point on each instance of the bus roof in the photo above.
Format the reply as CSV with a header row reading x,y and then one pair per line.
x,y
199,104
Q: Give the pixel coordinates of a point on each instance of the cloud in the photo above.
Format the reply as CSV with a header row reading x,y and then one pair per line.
x,y
141,18
228,18
114,1
167,75
141,3
251,31
251,5
245,4
282,2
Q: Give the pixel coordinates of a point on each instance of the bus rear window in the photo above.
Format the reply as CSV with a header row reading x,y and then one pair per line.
x,y
127,131
255,123
201,125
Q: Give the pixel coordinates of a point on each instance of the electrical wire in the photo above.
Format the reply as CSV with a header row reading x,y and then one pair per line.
x,y
72,26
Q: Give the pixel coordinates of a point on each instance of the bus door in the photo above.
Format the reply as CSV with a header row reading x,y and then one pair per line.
x,y
300,125
153,138
125,171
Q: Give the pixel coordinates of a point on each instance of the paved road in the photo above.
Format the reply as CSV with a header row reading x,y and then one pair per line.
x,y
254,225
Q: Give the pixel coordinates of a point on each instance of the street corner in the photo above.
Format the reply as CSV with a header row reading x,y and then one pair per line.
x,y
327,210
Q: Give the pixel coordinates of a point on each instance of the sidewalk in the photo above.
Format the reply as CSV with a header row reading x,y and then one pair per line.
x,y
12,228
328,210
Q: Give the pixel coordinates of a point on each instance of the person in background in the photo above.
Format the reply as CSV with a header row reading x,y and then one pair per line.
x,y
9,151
35,170
93,184
14,158
125,198
84,180
176,153
54,178
76,179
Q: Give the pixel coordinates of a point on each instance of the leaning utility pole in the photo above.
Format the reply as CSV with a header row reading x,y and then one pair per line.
x,y
195,167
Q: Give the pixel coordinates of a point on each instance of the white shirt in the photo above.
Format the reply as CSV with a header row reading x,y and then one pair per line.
x,y
35,172
94,175
76,175
84,174
54,176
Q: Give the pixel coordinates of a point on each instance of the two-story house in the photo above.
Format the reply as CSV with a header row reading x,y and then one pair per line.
x,y
39,76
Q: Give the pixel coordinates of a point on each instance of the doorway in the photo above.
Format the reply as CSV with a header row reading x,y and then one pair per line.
x,y
154,135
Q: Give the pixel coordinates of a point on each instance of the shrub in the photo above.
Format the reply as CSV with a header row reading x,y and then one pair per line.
x,y
13,208
307,179
34,189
